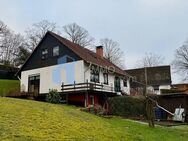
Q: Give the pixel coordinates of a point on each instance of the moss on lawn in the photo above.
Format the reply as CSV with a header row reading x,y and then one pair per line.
x,y
25,120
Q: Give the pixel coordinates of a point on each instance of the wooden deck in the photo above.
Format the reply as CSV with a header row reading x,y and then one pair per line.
x,y
87,86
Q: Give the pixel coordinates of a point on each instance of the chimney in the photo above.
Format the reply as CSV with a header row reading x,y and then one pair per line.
x,y
99,51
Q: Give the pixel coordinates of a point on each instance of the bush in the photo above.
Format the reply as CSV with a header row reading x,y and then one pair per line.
x,y
127,106
97,109
53,96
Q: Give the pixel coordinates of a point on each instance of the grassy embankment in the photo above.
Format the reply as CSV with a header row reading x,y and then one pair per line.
x,y
25,120
8,86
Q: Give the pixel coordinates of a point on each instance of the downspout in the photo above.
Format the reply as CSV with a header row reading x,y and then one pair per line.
x,y
19,78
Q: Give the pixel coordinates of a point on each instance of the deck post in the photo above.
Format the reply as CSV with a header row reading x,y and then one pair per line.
x,y
74,85
87,84
86,99
102,87
67,98
62,86
95,85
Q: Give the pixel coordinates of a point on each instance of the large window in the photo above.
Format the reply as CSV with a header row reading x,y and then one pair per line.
x,y
105,75
34,84
44,53
94,76
69,59
56,51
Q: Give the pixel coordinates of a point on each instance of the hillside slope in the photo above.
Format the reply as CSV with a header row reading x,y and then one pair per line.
x,y
24,120
8,86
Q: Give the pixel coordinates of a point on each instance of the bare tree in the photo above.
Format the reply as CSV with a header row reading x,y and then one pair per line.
x,y
3,28
78,35
150,60
11,44
37,31
180,63
112,52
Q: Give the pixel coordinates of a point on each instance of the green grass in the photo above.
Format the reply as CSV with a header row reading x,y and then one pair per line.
x,y
8,86
24,120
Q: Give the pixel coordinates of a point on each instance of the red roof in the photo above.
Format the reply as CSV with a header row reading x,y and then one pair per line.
x,y
87,55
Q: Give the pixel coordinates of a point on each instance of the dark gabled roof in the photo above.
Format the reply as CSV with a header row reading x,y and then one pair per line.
x,y
158,75
85,54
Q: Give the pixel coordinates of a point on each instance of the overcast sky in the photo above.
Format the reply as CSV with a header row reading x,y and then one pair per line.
x,y
139,26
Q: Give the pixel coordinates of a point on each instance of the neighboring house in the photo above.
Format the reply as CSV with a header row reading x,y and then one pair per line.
x,y
86,78
156,78
7,72
176,88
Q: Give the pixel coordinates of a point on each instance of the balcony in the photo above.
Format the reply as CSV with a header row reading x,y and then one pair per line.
x,y
87,86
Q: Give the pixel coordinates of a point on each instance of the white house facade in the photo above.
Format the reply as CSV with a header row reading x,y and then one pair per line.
x,y
84,76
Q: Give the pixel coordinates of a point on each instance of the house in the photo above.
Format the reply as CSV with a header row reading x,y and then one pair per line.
x,y
156,78
85,77
176,88
7,72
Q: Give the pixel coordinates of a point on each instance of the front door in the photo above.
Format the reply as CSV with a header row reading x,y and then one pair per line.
x,y
117,87
34,85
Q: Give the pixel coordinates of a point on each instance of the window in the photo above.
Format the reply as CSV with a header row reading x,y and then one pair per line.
x,y
117,86
69,59
56,51
125,83
94,75
44,53
105,75
34,84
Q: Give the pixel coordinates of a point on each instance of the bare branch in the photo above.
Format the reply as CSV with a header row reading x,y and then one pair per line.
x,y
78,35
112,52
150,60
37,31
180,63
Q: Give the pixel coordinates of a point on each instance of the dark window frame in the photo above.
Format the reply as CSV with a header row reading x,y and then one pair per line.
x,y
56,52
33,81
44,53
117,84
125,83
94,74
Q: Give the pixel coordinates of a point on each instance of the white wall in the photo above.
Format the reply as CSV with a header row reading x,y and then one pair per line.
x,y
111,78
52,77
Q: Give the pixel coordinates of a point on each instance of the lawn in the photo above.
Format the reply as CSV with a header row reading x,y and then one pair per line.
x,y
24,120
8,86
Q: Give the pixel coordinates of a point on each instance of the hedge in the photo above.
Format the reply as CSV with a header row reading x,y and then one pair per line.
x,y
127,106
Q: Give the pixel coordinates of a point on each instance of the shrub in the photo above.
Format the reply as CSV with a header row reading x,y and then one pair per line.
x,y
127,106
97,109
53,96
